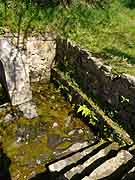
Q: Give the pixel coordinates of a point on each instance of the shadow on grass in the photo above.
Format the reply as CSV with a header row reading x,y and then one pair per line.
x,y
52,3
46,3
129,3
116,52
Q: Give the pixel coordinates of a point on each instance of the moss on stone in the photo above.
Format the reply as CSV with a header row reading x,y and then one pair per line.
x,y
122,135
64,145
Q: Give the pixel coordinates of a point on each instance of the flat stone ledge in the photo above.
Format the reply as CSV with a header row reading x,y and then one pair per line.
x,y
110,165
81,167
61,164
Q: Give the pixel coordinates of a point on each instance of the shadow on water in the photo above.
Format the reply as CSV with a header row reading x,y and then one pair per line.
x,y
5,163
116,52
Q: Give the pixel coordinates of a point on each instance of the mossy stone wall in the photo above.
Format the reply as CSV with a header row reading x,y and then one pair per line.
x,y
114,92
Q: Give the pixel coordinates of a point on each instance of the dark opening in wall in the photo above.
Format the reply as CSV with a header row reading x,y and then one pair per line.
x,y
3,96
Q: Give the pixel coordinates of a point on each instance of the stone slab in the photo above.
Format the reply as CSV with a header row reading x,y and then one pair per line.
x,y
78,169
16,69
111,165
61,164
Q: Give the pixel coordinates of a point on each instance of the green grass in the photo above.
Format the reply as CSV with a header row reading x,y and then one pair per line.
x,y
109,32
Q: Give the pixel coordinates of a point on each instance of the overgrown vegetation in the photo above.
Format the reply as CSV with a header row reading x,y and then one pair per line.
x,y
104,27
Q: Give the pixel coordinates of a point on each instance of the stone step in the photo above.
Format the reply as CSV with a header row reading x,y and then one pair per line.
x,y
112,169
61,164
78,171
102,160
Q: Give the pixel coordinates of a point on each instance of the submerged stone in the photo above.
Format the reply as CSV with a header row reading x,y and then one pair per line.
x,y
55,125
28,109
54,140
9,118
68,121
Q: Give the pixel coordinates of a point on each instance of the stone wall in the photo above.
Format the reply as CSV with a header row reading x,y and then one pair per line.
x,y
14,78
40,55
19,67
95,79
40,52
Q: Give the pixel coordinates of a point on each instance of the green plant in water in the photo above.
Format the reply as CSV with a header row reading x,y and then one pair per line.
x,y
65,89
86,112
112,113
124,99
